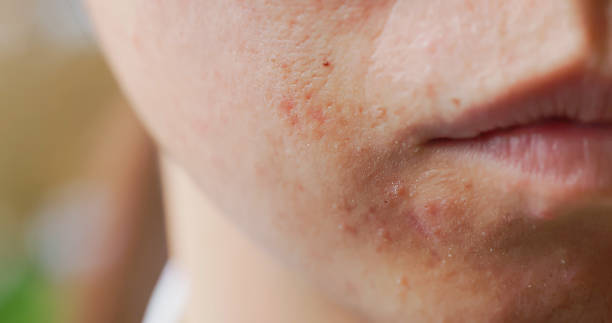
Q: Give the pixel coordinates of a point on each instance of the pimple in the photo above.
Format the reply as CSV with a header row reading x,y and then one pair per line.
x,y
308,95
394,191
317,114
383,234
432,208
402,281
468,186
383,239
326,63
403,287
347,228
431,91
287,107
456,102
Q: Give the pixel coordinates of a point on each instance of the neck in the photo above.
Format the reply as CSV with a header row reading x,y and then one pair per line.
x,y
230,278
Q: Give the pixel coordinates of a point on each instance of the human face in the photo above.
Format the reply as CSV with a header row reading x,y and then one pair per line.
x,y
423,160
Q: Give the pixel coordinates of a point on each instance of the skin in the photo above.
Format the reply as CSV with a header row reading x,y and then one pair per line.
x,y
306,123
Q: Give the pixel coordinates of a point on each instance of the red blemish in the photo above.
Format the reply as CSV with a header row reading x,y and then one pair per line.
x,y
317,114
137,41
384,239
432,48
456,102
299,187
308,95
416,223
468,186
384,234
347,228
326,63
432,208
403,282
286,107
431,91
469,5
394,191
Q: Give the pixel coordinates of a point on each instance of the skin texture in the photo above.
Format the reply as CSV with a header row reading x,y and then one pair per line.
x,y
308,124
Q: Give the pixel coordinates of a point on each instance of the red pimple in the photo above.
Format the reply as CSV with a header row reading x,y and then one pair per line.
x,y
347,228
468,186
308,95
403,281
383,234
384,239
287,106
394,191
431,91
317,114
456,102
432,208
326,63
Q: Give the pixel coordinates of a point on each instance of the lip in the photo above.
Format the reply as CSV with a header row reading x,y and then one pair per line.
x,y
565,150
580,98
558,132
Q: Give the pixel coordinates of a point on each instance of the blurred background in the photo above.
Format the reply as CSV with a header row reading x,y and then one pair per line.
x,y
81,229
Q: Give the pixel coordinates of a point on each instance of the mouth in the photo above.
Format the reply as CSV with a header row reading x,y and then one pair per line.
x,y
559,132
564,149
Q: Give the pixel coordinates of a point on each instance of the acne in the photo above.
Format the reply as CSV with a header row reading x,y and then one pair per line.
x,y
456,102
347,228
432,92
394,192
316,114
403,286
287,110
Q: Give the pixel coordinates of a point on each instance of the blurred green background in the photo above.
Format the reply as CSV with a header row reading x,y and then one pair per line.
x,y
55,89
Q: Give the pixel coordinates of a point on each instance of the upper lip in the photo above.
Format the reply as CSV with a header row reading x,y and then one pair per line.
x,y
580,98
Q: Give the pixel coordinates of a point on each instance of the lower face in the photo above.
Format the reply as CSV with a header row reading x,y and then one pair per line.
x,y
310,124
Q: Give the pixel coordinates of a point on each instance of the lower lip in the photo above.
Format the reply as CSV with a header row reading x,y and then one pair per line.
x,y
569,152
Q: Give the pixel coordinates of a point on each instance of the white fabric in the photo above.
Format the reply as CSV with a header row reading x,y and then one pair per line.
x,y
169,299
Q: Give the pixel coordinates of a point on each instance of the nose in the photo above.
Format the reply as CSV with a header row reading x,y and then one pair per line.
x,y
459,53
